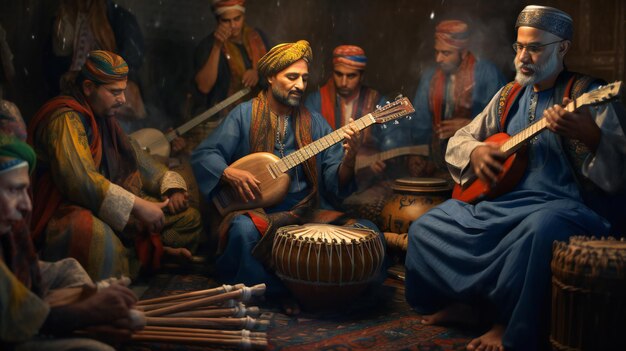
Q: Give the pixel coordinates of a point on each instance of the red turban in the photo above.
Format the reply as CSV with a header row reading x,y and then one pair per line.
x,y
221,6
453,33
350,55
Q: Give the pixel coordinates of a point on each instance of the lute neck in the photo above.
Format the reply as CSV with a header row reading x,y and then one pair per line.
x,y
299,156
519,139
206,114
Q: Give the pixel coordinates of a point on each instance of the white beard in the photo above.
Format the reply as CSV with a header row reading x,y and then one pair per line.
x,y
540,72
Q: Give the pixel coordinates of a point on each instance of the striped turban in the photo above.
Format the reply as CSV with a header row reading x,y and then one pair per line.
x,y
104,67
547,18
18,153
453,33
221,6
282,56
350,55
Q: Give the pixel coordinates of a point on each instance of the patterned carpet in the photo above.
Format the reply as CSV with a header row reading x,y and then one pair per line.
x,y
379,320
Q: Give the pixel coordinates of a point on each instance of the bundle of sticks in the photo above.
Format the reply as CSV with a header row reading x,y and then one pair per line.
x,y
212,317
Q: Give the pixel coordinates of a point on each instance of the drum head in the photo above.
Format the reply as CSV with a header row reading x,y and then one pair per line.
x,y
414,184
326,232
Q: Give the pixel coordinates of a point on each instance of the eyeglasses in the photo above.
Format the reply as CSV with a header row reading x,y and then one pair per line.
x,y
532,48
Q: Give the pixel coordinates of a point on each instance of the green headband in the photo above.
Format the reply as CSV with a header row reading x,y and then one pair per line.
x,y
18,151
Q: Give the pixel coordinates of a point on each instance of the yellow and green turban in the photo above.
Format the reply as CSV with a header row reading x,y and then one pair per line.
x,y
17,154
104,67
282,56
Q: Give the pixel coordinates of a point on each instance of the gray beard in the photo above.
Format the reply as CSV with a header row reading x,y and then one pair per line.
x,y
541,72
287,100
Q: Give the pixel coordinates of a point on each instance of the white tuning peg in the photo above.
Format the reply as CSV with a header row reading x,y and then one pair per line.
x,y
384,126
396,122
378,107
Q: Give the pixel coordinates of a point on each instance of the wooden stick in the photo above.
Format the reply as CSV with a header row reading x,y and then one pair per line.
x,y
199,335
163,304
242,294
237,312
200,293
224,304
241,332
245,343
217,323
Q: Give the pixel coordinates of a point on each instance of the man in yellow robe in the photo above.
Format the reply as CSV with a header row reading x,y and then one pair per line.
x,y
95,192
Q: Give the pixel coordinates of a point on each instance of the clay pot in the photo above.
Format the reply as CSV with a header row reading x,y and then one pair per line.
x,y
411,198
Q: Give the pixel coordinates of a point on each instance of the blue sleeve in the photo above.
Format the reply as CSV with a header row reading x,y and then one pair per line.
x,y
422,120
227,143
488,81
313,102
329,161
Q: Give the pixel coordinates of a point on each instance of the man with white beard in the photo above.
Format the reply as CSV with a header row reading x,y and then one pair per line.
x,y
495,253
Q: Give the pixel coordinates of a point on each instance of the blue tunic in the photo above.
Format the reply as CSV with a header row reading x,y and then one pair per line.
x,y
487,81
229,142
499,251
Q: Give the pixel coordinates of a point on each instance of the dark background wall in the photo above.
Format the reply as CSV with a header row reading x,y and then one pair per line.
x,y
396,35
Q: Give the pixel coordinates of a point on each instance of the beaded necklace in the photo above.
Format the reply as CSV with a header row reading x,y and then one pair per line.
x,y
280,139
532,111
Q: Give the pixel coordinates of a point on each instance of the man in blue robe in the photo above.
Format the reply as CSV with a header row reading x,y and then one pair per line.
x,y
450,93
273,122
496,254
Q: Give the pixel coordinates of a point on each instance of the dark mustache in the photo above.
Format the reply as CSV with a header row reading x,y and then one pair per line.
x,y
297,91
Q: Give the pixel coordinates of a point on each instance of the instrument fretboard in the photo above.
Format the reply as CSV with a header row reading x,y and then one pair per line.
x,y
292,160
516,141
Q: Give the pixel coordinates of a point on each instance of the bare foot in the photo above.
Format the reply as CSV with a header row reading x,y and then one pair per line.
x,y
291,306
490,341
180,253
456,313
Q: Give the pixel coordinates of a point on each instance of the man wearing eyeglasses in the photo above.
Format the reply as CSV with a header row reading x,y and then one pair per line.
x,y
490,261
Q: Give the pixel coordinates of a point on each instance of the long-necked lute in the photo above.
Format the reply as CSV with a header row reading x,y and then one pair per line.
x,y
156,143
364,161
272,171
513,148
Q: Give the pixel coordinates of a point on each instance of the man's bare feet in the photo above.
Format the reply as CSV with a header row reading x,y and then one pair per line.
x,y
490,341
290,306
456,313
180,253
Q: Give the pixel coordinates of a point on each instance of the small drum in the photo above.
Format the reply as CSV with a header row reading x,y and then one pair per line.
x,y
325,265
411,198
589,294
